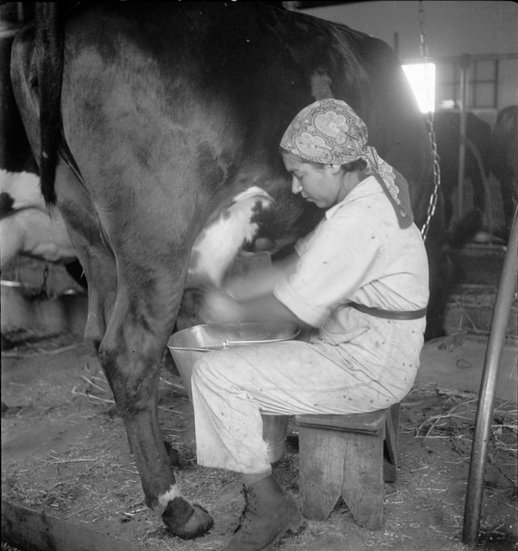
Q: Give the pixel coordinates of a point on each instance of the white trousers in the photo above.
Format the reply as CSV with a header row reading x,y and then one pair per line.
x,y
231,388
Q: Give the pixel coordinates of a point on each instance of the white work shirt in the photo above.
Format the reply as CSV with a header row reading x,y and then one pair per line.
x,y
357,253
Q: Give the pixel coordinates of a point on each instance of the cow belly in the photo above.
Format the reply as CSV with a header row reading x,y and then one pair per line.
x,y
218,244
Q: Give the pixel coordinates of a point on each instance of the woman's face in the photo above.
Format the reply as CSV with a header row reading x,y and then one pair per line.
x,y
318,184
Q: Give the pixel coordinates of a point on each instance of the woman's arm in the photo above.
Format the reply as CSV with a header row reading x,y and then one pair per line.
x,y
250,297
259,282
218,307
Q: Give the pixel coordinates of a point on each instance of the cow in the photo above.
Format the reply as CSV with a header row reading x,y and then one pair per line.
x,y
27,226
478,133
503,160
157,126
15,152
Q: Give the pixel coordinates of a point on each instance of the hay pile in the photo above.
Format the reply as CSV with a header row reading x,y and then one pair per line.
x,y
453,418
470,310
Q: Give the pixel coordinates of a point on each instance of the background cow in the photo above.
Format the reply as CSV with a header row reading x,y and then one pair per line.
x,y
478,133
167,119
489,151
27,225
503,160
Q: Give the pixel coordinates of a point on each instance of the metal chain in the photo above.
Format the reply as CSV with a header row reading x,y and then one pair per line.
x,y
423,47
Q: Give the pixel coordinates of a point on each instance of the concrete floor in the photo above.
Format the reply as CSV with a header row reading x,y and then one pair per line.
x,y
457,362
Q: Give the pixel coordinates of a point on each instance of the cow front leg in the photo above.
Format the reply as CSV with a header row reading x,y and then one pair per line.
x,y
130,355
162,493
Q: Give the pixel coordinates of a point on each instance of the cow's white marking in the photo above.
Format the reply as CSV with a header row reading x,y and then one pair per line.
x,y
168,496
23,187
217,246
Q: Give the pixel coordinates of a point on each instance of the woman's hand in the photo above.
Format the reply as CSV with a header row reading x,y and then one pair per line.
x,y
219,307
260,281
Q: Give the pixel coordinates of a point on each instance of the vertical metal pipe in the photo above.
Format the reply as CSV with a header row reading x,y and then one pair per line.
x,y
465,63
486,397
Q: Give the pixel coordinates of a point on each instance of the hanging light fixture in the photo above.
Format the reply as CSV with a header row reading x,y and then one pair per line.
x,y
422,81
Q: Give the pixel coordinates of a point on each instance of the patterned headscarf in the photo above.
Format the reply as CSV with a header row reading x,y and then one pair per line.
x,y
330,132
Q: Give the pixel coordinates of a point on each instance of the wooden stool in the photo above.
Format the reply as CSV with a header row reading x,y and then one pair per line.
x,y
349,456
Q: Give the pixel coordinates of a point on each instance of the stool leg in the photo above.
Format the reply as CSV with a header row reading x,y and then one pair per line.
x,y
321,468
391,447
363,487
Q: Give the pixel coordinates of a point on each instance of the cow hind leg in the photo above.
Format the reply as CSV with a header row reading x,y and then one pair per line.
x,y
130,353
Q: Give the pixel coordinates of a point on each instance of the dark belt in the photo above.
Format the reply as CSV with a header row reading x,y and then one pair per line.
x,y
389,314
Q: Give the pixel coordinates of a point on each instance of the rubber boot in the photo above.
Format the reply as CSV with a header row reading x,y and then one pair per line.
x,y
268,514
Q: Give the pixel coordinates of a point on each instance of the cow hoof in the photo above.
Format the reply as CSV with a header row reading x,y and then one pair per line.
x,y
186,521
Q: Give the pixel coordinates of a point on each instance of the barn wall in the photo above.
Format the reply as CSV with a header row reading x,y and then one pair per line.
x,y
452,28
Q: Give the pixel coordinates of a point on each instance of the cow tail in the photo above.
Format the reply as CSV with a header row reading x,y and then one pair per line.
x,y
49,41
